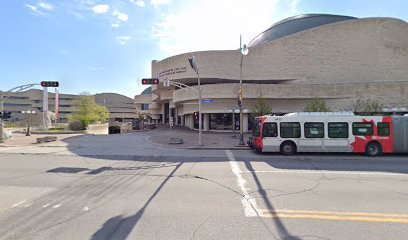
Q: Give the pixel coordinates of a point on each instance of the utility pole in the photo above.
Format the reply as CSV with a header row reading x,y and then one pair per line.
x,y
1,119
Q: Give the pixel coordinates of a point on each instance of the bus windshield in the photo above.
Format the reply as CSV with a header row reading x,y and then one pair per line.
x,y
256,127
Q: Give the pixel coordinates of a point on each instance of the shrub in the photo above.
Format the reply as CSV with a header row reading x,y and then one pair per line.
x,y
9,125
75,125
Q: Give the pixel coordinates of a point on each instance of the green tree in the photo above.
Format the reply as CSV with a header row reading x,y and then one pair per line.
x,y
260,108
317,105
87,111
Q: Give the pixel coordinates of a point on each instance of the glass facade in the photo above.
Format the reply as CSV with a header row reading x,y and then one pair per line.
x,y
223,121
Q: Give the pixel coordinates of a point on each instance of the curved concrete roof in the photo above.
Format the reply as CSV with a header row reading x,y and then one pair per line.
x,y
295,24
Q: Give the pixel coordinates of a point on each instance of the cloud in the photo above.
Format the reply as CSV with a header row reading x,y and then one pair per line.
x,y
95,68
100,8
115,25
199,25
139,3
120,16
122,40
45,6
157,3
294,5
41,8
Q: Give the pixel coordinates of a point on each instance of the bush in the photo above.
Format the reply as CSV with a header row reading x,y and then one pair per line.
x,y
9,125
76,125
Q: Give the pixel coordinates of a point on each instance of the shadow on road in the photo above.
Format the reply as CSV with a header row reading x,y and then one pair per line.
x,y
134,147
282,230
119,227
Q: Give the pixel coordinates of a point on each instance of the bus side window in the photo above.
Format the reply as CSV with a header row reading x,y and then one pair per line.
x,y
338,130
270,130
314,130
362,129
290,130
383,129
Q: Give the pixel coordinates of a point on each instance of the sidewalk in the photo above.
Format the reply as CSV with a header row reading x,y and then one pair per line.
x,y
20,139
211,140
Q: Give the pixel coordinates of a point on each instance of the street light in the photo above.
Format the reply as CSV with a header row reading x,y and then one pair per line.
x,y
28,133
194,65
244,51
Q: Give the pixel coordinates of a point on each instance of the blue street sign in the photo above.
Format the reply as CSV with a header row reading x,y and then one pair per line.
x,y
207,101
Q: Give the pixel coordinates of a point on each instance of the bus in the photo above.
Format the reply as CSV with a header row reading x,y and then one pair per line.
x,y
330,132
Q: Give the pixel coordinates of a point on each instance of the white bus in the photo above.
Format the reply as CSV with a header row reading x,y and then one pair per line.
x,y
330,132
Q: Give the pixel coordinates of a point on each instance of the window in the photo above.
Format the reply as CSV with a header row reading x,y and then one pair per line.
x,y
270,130
383,129
338,130
145,106
314,130
290,130
362,129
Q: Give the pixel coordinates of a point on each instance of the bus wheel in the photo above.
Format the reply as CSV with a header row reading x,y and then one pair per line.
x,y
373,149
287,148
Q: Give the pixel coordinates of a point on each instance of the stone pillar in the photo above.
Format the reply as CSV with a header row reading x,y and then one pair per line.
x,y
191,120
163,113
176,116
206,121
245,121
182,120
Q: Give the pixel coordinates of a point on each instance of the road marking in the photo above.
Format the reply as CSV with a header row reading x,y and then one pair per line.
x,y
339,216
46,205
19,203
250,207
57,206
328,172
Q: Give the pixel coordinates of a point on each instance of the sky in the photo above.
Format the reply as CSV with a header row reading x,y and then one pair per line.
x,y
107,45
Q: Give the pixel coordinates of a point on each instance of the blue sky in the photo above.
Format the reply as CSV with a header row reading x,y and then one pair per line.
x,y
108,45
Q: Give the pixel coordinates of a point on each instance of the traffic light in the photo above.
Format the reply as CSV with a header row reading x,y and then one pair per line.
x,y
49,84
5,115
151,81
196,117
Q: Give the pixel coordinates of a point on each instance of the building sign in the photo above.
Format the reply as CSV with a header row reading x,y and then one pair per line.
x,y
173,71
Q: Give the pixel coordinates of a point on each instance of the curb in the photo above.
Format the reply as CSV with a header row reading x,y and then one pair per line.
x,y
198,148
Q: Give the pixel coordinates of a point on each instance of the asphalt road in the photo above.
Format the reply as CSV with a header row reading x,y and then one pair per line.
x,y
118,187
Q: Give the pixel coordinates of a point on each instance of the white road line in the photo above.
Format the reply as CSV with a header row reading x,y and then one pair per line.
x,y
46,205
250,207
19,203
328,172
57,206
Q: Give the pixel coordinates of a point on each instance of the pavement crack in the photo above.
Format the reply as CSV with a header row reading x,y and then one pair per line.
x,y
199,226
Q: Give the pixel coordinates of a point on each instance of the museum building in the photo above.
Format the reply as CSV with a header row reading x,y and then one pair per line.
x,y
337,58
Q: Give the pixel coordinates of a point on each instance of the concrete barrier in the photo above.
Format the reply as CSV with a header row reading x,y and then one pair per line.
x,y
98,129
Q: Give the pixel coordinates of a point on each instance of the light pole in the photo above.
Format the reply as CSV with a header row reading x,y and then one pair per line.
x,y
244,51
233,111
194,65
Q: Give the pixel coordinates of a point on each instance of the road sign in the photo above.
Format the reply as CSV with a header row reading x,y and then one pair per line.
x,y
207,101
166,82
171,121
